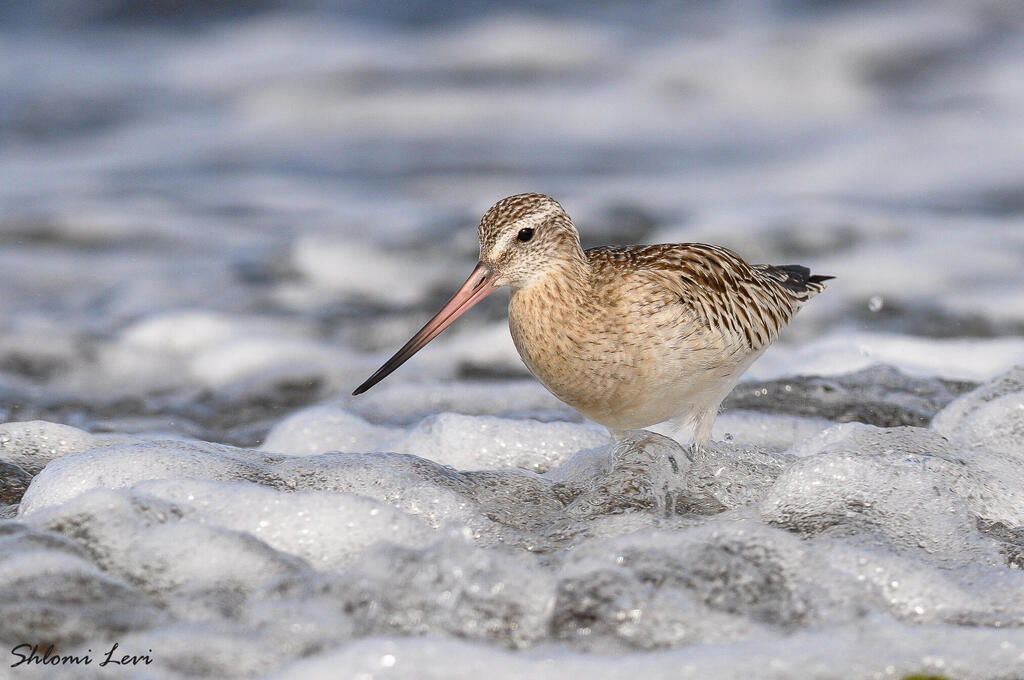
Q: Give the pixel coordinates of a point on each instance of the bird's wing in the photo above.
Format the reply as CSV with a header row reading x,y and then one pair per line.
x,y
720,290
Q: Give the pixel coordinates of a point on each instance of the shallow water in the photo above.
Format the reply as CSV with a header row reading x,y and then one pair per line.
x,y
215,221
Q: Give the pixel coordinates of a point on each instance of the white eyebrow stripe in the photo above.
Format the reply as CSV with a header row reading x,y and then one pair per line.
x,y
500,246
531,221
534,220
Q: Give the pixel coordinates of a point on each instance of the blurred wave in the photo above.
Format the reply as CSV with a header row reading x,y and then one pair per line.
x,y
321,165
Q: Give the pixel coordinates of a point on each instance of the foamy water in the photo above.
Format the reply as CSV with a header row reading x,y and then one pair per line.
x,y
215,223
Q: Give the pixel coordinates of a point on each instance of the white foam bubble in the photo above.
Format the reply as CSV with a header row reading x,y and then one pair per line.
x,y
897,502
485,442
974,359
398,402
326,428
123,465
997,425
897,649
328,530
989,416
33,444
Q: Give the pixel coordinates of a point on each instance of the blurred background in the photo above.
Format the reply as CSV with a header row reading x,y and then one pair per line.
x,y
213,212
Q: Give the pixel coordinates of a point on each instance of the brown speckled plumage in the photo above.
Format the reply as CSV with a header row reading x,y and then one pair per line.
x,y
719,288
630,336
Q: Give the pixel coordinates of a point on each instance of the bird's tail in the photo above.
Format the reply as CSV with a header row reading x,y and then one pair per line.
x,y
798,280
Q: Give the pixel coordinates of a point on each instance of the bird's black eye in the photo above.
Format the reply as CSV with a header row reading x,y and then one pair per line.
x,y
525,234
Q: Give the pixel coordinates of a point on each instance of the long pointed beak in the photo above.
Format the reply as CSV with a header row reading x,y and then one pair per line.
x,y
479,285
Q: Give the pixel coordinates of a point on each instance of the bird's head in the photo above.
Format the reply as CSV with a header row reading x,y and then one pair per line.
x,y
525,237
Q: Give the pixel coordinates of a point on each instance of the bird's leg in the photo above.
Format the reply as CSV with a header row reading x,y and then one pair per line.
x,y
677,427
702,429
688,425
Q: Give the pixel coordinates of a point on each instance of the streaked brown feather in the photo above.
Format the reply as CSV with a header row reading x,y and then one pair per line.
x,y
724,292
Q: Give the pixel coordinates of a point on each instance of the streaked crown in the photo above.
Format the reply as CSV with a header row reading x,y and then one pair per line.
x,y
526,236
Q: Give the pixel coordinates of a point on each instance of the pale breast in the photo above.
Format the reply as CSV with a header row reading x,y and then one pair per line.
x,y
627,354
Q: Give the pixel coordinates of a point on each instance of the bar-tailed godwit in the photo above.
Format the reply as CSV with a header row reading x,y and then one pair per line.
x,y
629,336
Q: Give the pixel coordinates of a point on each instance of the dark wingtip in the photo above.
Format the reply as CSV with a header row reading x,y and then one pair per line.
x,y
818,278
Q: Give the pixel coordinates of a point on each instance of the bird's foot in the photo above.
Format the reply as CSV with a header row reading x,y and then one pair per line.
x,y
696,450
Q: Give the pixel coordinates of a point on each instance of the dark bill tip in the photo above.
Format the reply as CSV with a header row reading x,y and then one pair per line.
x,y
478,286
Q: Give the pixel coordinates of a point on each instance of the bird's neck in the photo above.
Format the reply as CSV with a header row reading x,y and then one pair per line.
x,y
559,292
569,279
548,317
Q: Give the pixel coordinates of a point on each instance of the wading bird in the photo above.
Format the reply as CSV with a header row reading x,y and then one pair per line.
x,y
629,336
